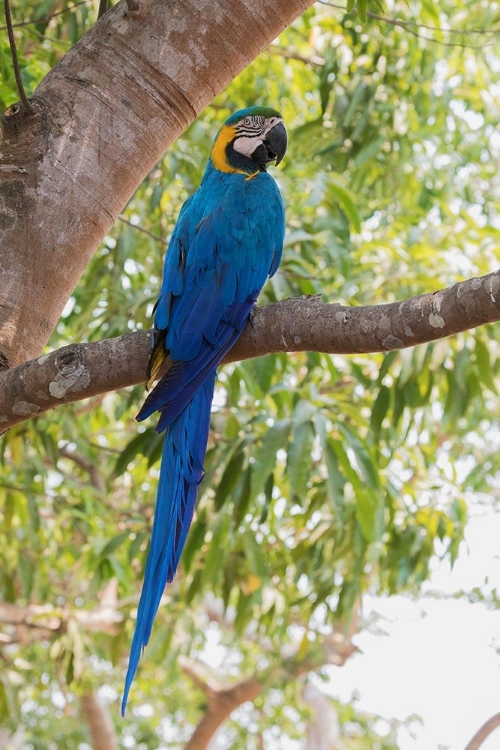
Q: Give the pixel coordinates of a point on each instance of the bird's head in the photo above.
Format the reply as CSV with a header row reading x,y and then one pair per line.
x,y
249,140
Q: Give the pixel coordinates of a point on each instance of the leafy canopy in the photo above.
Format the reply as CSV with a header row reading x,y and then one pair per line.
x,y
326,476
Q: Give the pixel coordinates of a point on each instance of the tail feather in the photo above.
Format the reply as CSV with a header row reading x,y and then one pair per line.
x,y
177,386
181,472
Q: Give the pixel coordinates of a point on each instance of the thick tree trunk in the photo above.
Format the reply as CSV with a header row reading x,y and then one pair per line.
x,y
104,116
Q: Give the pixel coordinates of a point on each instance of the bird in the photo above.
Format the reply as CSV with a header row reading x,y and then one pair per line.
x,y
226,243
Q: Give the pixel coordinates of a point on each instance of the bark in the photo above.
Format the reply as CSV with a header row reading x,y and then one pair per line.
x,y
103,117
101,728
82,370
221,702
484,732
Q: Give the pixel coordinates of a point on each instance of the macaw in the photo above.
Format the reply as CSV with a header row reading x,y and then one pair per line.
x,y
227,241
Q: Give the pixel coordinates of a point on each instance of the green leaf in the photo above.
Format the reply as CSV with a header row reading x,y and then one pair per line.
x,y
361,4
386,364
8,511
367,507
113,544
275,438
229,479
368,152
299,460
347,201
134,549
243,612
254,555
195,586
354,103
364,458
211,565
242,498
335,482
484,365
268,495
27,572
380,408
195,541
142,444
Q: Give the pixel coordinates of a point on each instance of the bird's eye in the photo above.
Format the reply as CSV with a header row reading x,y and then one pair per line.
x,y
247,121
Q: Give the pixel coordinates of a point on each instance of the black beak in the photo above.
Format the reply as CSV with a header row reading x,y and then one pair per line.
x,y
273,148
276,143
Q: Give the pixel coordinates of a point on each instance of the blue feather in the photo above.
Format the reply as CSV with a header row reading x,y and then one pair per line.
x,y
181,472
228,239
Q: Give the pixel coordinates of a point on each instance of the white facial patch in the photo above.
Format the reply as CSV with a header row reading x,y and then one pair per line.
x,y
246,144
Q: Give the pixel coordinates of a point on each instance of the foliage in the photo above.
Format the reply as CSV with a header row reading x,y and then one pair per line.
x,y
326,476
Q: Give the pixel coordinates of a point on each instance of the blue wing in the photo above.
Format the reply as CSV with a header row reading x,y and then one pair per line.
x,y
218,260
227,240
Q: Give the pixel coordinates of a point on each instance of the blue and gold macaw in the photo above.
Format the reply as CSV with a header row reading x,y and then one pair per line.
x,y
227,241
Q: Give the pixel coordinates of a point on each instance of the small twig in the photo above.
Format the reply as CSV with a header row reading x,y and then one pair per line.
x,y
90,405
62,43
22,490
143,230
332,5
84,463
406,24
103,6
43,19
17,72
449,31
290,55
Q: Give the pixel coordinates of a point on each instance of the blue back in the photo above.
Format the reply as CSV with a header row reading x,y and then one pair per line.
x,y
227,241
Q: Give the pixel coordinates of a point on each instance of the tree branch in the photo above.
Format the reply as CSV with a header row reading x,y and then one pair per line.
x,y
484,732
80,371
222,700
15,62
101,728
40,618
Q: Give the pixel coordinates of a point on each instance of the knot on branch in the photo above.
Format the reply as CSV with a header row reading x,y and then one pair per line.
x,y
4,362
15,115
71,372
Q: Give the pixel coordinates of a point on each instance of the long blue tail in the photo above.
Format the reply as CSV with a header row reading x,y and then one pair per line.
x,y
181,472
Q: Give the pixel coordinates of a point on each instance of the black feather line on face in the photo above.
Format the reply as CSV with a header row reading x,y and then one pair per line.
x,y
239,160
269,139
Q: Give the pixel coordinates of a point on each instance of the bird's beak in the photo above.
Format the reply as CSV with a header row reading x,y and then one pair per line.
x,y
275,143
